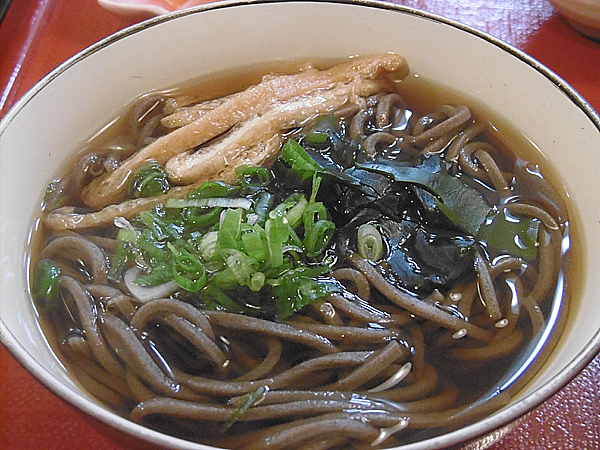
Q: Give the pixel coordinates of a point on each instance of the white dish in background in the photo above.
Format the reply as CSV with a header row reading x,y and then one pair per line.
x,y
583,15
147,7
174,48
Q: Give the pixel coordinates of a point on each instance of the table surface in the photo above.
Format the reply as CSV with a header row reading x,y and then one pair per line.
x,y
37,35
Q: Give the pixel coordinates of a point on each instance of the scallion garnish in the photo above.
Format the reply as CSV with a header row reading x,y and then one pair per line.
x,y
369,242
253,176
299,160
221,238
246,402
188,271
149,180
45,286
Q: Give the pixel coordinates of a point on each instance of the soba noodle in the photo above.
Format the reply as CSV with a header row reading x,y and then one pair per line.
x,y
371,284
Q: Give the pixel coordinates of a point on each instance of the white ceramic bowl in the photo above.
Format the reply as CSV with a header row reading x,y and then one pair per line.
x,y
69,105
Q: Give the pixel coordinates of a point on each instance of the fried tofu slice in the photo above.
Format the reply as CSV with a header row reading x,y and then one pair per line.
x,y
361,76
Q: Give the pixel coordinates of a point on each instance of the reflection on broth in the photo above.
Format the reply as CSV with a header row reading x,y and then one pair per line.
x,y
323,258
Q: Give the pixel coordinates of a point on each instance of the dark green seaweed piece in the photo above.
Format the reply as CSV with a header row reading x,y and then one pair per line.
x,y
464,206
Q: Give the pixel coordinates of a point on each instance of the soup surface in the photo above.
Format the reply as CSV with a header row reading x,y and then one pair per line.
x,y
325,256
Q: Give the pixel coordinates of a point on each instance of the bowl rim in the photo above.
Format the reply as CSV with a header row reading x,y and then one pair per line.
x,y
463,435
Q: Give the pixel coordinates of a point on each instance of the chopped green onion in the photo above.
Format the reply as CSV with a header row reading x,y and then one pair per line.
x,y
316,183
317,237
54,197
299,287
163,224
274,243
224,202
119,259
45,287
253,176
152,222
257,281
246,402
128,246
208,245
215,242
295,239
148,181
215,298
370,243
262,205
201,218
229,230
287,204
281,226
162,272
237,271
242,266
188,271
213,189
255,245
314,211
148,243
295,213
317,137
300,162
